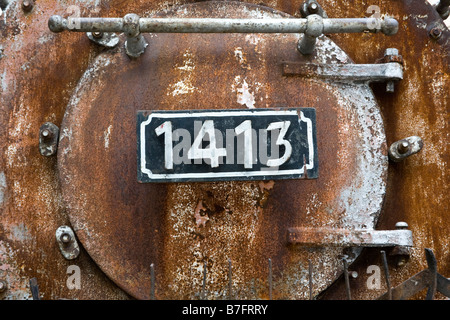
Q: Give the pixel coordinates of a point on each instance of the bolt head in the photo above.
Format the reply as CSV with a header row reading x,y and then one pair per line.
x,y
97,34
391,52
65,238
313,7
401,225
436,33
27,5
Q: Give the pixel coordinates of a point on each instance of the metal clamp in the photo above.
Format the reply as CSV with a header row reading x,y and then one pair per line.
x,y
68,245
404,148
133,26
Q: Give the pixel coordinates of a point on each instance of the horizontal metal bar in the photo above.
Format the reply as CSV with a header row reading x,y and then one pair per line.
x,y
387,26
391,71
349,238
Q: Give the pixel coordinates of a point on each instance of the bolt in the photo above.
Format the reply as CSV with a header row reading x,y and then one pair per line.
x,y
313,7
46,134
402,148
65,238
3,286
27,5
391,52
436,33
97,34
353,274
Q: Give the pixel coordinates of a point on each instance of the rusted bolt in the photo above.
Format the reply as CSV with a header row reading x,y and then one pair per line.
x,y
66,238
3,286
27,5
97,34
436,33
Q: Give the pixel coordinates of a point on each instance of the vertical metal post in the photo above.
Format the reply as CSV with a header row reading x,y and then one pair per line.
x,y
386,274
135,44
313,30
347,282
310,271
270,279
230,287
203,294
34,289
152,282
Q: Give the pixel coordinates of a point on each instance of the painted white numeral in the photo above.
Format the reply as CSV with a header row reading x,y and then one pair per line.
x,y
166,129
283,126
212,153
246,128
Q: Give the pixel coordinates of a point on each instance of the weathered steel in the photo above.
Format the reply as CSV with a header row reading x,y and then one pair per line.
x,y
220,220
388,26
349,238
350,72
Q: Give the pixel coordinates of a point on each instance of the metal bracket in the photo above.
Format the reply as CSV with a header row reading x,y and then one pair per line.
x,y
321,237
352,72
67,242
133,26
104,39
404,148
389,70
48,139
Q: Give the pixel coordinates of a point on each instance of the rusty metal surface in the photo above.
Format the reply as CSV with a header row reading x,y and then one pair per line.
x,y
39,73
179,227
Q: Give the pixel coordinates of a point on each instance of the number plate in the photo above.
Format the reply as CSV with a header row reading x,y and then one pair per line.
x,y
213,145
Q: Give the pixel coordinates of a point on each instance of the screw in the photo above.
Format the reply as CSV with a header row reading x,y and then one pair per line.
x,y
65,238
27,5
97,34
402,148
353,274
3,286
436,33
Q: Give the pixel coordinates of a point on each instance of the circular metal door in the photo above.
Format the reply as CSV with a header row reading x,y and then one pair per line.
x,y
208,238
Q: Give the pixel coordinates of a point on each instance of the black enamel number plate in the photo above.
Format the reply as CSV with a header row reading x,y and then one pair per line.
x,y
217,145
